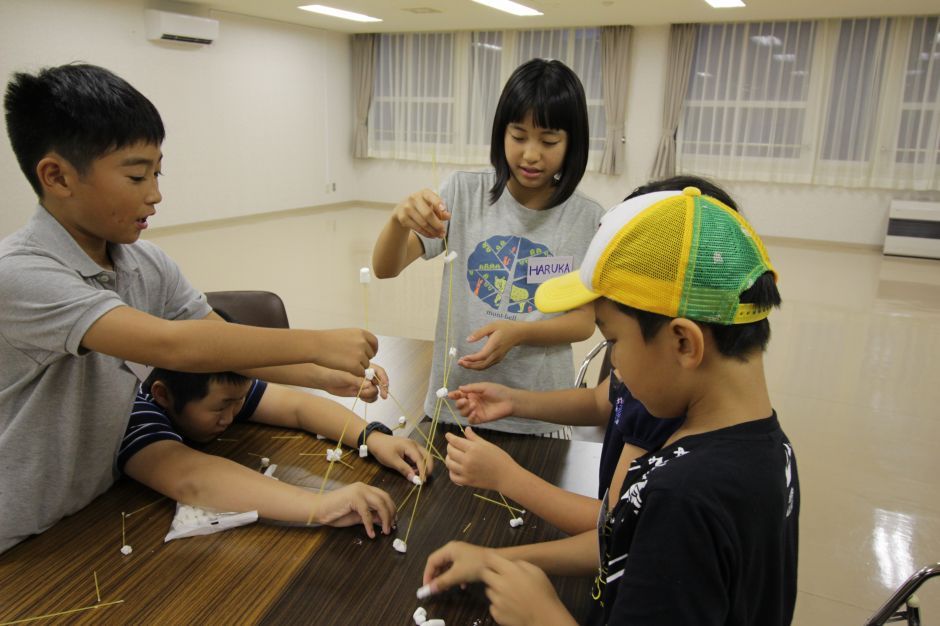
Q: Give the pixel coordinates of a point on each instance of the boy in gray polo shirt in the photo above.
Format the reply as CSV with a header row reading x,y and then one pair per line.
x,y
82,295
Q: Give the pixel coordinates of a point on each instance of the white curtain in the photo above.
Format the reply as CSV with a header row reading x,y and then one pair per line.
x,y
615,70
681,48
363,59
435,94
838,102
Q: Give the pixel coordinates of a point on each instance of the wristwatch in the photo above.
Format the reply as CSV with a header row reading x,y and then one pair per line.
x,y
373,426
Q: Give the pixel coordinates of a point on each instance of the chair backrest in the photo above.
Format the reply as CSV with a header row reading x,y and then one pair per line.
x,y
254,308
579,380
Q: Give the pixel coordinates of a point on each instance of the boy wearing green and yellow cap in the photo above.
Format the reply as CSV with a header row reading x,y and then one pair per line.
x,y
704,529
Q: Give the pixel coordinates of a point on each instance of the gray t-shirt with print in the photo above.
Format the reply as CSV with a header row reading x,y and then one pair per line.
x,y
504,250
63,409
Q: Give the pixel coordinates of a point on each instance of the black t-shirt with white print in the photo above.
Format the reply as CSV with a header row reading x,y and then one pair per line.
x,y
705,532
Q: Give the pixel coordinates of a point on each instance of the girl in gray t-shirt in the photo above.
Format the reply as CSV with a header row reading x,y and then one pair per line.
x,y
505,231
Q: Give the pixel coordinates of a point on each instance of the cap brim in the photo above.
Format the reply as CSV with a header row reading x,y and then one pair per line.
x,y
563,294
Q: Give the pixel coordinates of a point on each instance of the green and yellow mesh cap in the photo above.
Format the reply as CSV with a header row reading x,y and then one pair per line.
x,y
679,254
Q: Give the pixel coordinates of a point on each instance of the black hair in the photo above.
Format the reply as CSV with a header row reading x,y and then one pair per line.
x,y
187,387
678,183
733,340
79,111
552,92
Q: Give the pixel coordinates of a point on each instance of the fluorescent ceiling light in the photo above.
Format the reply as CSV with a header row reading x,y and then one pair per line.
x,y
346,15
767,40
725,4
509,7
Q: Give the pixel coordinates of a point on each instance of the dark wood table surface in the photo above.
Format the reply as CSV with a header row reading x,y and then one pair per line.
x,y
279,574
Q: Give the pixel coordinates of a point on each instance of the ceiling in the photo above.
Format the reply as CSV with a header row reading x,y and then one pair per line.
x,y
452,15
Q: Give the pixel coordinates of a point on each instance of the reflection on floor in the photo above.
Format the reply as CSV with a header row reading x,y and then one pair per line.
x,y
853,367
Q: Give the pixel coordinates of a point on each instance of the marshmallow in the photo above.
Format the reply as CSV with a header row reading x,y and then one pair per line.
x,y
516,522
419,618
320,437
265,461
330,455
363,451
337,453
370,373
435,622
126,550
421,611
452,352
442,392
424,592
402,420
416,480
270,471
450,256
400,546
365,275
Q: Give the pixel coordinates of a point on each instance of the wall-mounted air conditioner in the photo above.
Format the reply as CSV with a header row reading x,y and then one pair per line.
x,y
913,229
177,27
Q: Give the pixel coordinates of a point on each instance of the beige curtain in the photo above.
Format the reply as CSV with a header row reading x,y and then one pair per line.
x,y
363,58
681,49
615,70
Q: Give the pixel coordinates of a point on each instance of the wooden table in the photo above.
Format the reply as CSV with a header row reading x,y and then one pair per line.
x,y
273,574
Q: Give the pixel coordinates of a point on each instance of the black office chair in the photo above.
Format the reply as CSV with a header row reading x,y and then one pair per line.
x,y
254,308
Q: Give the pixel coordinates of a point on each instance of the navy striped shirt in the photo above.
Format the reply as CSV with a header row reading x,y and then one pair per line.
x,y
149,422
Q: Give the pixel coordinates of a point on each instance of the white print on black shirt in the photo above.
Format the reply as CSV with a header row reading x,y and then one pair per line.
x,y
788,473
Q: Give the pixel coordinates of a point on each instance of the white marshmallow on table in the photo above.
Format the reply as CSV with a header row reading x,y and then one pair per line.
x,y
416,480
400,546
402,420
442,392
450,256
363,451
265,461
337,453
126,549
320,437
435,622
452,352
419,618
365,275
424,592
516,522
270,470
370,373
330,455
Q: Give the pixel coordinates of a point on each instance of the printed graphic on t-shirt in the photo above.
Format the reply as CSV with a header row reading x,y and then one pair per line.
x,y
497,272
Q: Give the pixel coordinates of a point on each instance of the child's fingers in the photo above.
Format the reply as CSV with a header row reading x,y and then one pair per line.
x,y
456,445
361,507
420,458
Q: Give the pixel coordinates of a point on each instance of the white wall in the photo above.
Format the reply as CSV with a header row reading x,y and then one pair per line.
x,y
256,122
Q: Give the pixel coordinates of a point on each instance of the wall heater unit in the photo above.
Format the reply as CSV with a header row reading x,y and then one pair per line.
x,y
913,229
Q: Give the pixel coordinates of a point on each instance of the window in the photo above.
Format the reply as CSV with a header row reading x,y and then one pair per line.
x,y
435,95
841,102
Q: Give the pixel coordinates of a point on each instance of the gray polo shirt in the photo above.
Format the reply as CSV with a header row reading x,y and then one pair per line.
x,y
63,409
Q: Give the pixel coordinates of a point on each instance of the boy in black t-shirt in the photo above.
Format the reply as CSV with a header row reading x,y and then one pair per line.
x,y
704,529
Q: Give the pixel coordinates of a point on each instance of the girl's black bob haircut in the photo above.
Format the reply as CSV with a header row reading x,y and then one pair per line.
x,y
555,96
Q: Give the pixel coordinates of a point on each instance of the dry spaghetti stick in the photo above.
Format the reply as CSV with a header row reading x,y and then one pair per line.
x,y
60,613
97,589
511,508
403,502
503,498
123,538
286,437
146,506
456,419
464,531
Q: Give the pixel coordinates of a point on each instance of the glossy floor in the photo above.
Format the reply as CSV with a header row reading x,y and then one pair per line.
x,y
853,368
